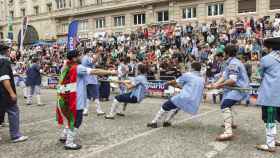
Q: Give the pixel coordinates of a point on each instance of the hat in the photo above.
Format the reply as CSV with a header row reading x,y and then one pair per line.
x,y
273,42
3,46
72,54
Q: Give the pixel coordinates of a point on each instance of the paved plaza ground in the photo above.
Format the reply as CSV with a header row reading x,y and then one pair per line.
x,y
128,137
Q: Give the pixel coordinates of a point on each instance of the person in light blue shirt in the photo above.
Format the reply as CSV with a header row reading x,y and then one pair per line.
x,y
92,82
137,87
234,75
269,92
188,100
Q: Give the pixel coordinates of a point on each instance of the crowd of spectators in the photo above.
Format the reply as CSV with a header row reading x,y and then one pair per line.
x,y
167,49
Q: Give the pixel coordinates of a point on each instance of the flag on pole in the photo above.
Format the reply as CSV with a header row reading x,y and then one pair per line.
x,y
72,35
23,31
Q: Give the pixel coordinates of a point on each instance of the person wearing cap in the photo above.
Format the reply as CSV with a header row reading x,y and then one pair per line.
x,y
72,97
269,92
33,81
92,82
8,95
234,75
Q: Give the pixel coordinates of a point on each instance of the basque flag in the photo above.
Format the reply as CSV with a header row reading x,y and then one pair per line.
x,y
72,41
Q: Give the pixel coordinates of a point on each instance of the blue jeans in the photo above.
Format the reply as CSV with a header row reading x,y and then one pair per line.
x,y
13,117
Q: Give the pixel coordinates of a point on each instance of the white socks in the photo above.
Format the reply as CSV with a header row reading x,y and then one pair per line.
x,y
227,115
39,100
271,134
161,113
98,106
171,115
114,108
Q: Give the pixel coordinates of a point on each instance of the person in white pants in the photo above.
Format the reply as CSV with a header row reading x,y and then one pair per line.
x,y
33,82
89,61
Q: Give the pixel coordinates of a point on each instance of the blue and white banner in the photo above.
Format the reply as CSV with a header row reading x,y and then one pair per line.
x,y
72,35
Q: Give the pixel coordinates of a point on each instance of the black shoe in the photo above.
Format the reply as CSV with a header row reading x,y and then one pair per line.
x,y
28,104
77,147
152,125
166,124
121,114
62,140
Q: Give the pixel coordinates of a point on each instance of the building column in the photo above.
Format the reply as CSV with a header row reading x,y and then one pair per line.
x,y
230,9
171,11
150,15
201,12
262,7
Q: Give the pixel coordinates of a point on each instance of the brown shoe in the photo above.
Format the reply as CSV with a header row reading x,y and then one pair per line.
x,y
224,137
233,126
264,147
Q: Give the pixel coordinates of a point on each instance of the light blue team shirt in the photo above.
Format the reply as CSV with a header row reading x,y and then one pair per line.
x,y
269,91
235,70
190,97
140,82
82,72
88,62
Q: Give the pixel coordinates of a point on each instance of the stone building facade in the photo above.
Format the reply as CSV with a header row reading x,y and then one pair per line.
x,y
51,17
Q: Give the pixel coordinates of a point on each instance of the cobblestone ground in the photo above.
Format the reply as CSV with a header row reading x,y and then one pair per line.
x,y
128,137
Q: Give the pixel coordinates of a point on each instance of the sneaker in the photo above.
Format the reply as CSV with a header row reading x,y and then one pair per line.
x,y
265,147
41,104
20,139
4,125
108,117
72,147
152,125
28,103
121,114
100,113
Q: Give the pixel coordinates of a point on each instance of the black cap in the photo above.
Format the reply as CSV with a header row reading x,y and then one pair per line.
x,y
72,54
3,46
273,42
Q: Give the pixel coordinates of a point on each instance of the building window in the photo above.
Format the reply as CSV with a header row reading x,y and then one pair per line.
x,y
22,12
83,26
215,9
60,4
49,7
247,6
274,4
98,2
11,14
189,13
119,21
36,10
163,16
139,19
64,28
100,23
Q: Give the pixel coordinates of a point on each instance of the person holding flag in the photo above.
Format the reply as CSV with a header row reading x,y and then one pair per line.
x,y
72,97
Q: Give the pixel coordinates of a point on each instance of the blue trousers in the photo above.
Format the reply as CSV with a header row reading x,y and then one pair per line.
x,y
79,118
228,103
13,117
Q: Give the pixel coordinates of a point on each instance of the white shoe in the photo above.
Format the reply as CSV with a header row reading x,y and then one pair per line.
x,y
20,139
85,113
100,112
4,125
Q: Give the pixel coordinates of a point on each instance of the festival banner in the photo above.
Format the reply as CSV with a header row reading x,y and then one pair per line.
x,y
72,35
